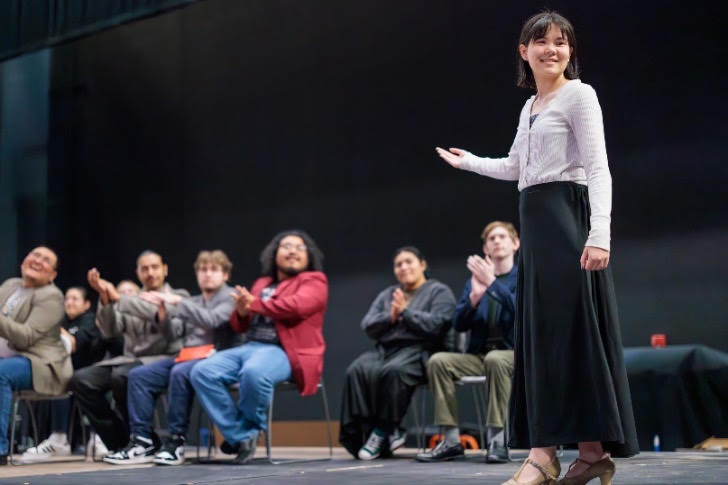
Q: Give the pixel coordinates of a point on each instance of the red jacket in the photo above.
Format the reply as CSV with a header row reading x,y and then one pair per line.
x,y
297,308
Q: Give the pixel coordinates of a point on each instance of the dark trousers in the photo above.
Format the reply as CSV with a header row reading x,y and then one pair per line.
x,y
147,382
60,415
90,386
378,390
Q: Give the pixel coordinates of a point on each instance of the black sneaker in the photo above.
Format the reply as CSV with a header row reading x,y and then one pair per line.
x,y
230,448
139,450
444,451
4,459
246,450
173,451
497,453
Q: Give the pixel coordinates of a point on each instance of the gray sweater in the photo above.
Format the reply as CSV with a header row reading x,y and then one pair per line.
x,y
426,320
145,339
202,322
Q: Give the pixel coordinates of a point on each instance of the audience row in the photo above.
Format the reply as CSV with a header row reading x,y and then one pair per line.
x,y
156,340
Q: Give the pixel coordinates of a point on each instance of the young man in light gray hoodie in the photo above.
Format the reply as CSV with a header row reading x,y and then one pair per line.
x,y
203,323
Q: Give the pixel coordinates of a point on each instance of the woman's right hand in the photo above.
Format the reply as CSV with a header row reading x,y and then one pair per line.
x,y
454,157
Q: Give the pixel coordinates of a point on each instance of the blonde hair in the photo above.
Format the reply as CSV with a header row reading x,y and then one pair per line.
x,y
510,228
216,256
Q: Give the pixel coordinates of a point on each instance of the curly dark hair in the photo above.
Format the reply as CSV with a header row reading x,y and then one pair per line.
x,y
535,27
268,255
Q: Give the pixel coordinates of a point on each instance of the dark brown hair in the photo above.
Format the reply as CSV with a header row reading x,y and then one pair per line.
x,y
536,27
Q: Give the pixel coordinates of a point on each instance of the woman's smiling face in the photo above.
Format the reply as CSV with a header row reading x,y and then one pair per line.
x,y
549,55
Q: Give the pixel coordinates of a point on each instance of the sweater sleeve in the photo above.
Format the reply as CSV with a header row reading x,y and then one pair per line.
x,y
377,321
466,317
585,119
505,168
310,298
201,316
437,319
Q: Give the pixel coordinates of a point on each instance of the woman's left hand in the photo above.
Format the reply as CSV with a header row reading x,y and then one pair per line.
x,y
594,259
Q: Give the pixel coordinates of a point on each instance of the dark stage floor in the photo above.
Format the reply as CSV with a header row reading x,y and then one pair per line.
x,y
645,469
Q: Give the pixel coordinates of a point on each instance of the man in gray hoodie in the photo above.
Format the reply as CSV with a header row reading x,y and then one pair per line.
x,y
147,338
203,323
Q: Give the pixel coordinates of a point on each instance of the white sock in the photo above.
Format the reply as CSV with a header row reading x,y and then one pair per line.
x,y
58,438
451,434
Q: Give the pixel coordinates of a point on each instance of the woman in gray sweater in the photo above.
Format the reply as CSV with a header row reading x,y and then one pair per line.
x,y
408,322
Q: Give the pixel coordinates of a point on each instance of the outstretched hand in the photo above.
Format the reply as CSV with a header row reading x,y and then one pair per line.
x,y
594,259
454,157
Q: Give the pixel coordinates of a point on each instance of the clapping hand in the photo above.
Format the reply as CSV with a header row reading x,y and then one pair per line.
x,y
398,305
454,157
482,268
167,298
243,299
107,292
156,298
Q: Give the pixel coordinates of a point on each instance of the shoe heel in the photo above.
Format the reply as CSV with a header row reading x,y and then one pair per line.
x,y
606,478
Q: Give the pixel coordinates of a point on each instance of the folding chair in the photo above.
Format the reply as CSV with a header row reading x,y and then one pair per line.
x,y
28,397
291,386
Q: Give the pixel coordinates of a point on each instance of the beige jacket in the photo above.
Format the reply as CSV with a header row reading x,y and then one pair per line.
x,y
145,339
34,330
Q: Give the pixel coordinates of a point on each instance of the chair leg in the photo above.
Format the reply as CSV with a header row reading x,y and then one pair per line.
x,y
423,402
13,420
31,412
416,419
269,431
479,414
328,420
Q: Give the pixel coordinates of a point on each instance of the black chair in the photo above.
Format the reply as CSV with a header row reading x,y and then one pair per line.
x,y
29,397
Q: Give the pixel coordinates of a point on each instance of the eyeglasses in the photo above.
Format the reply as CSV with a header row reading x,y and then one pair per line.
x,y
44,259
297,247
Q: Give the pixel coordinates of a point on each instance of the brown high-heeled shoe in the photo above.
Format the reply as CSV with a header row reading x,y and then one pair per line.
x,y
550,473
604,469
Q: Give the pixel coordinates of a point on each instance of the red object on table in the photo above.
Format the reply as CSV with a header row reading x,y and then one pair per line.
x,y
658,340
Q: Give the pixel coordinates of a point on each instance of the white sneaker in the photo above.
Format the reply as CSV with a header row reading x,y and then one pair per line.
x,y
139,450
101,449
47,449
397,439
372,448
173,451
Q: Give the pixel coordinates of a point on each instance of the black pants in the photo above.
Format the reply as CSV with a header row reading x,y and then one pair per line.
x,y
90,386
378,390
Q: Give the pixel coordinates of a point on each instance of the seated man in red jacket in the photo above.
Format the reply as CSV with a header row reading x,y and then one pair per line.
x,y
282,317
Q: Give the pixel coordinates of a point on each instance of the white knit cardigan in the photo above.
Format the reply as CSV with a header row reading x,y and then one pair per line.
x,y
565,143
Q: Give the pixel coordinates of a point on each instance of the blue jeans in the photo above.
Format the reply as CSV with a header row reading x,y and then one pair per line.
x,y
15,374
257,368
147,382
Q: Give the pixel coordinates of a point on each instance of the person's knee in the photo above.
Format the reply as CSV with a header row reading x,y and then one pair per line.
x,y
179,374
495,362
392,373
438,362
78,383
198,375
255,378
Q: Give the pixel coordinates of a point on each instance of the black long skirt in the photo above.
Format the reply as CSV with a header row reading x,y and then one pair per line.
x,y
569,382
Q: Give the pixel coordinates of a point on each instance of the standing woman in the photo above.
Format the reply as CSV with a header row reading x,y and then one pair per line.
x,y
569,382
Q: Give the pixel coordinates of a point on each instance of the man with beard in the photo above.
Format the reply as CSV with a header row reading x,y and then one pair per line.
x,y
204,320
32,355
282,317
146,340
